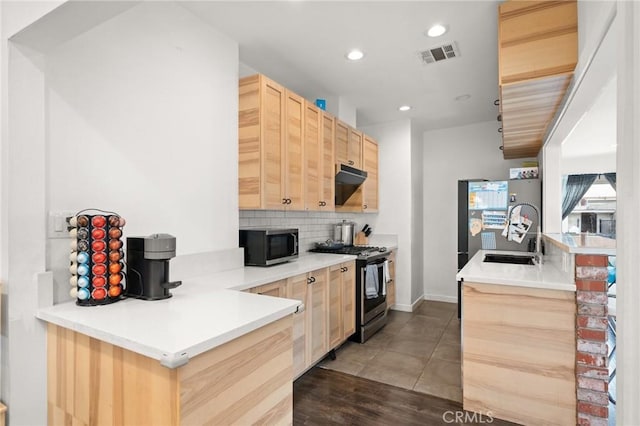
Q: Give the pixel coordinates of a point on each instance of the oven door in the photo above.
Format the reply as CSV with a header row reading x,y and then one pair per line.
x,y
373,306
281,247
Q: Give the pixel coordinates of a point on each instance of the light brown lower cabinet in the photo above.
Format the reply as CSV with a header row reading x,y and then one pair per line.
x,y
318,313
245,381
342,294
328,317
518,353
275,289
391,285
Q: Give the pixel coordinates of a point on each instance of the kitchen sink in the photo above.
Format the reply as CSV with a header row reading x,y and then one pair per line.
x,y
516,259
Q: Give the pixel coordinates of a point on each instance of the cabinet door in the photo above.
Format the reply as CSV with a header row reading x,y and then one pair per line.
x,y
355,148
294,173
335,305
318,300
348,299
536,39
341,142
275,289
313,159
328,173
370,158
272,110
391,286
297,288
249,166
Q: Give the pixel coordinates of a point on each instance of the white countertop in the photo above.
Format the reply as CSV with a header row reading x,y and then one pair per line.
x,y
545,276
204,312
583,243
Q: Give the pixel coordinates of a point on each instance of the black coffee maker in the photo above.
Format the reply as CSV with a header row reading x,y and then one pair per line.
x,y
148,266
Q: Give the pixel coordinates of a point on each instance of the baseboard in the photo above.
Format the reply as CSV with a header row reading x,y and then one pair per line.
x,y
440,298
407,308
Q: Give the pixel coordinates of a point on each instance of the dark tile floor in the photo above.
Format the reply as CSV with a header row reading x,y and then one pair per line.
x,y
419,351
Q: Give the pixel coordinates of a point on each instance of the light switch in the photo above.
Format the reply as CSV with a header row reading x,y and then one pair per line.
x,y
58,223
57,226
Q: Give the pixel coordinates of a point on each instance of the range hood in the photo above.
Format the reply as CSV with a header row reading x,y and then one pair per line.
x,y
348,180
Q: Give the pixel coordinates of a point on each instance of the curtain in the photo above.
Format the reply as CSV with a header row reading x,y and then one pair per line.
x,y
611,178
576,187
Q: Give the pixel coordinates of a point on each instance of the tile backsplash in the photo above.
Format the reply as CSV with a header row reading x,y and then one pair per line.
x,y
313,226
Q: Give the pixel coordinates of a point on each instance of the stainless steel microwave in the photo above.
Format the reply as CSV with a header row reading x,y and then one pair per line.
x,y
266,247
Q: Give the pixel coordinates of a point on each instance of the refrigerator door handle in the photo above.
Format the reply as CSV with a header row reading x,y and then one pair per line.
x,y
463,252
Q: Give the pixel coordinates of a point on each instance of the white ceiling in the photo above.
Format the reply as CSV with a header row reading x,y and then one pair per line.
x,y
301,44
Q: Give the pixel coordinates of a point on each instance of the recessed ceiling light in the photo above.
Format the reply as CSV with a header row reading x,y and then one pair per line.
x,y
463,97
404,108
355,55
437,30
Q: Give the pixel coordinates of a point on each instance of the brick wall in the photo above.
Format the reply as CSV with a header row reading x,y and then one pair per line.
x,y
592,374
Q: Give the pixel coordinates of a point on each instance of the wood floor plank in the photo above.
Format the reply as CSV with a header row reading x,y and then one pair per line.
x,y
322,397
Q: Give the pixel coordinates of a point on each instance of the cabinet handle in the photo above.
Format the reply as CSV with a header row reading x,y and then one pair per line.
x,y
365,206
284,201
351,162
496,102
324,203
309,281
346,268
288,200
390,261
500,130
313,279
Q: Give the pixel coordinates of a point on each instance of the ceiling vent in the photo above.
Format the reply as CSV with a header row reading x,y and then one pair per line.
x,y
440,53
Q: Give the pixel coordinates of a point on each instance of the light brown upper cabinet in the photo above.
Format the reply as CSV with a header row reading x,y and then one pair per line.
x,y
294,146
537,54
328,162
348,145
370,165
270,146
318,159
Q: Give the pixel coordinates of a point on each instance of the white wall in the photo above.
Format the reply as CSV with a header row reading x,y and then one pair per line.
x,y
601,163
394,143
136,112
628,188
142,107
466,152
593,18
597,46
417,213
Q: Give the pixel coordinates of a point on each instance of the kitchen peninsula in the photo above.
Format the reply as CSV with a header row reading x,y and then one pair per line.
x,y
518,341
534,343
212,353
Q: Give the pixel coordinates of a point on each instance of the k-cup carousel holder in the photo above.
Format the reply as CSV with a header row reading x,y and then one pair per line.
x,y
97,257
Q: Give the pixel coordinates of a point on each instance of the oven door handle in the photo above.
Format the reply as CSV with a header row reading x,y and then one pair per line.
x,y
362,294
295,243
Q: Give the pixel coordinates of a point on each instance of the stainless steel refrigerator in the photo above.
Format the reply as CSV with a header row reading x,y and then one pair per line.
x,y
484,207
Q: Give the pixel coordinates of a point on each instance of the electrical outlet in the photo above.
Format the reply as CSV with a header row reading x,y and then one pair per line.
x,y
58,223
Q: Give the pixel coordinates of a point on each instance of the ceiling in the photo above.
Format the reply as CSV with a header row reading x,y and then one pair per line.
x,y
301,45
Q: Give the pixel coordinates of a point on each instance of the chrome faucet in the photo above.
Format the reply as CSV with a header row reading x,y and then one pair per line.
x,y
538,255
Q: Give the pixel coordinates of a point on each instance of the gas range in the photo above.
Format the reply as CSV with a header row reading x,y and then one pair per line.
x,y
363,252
